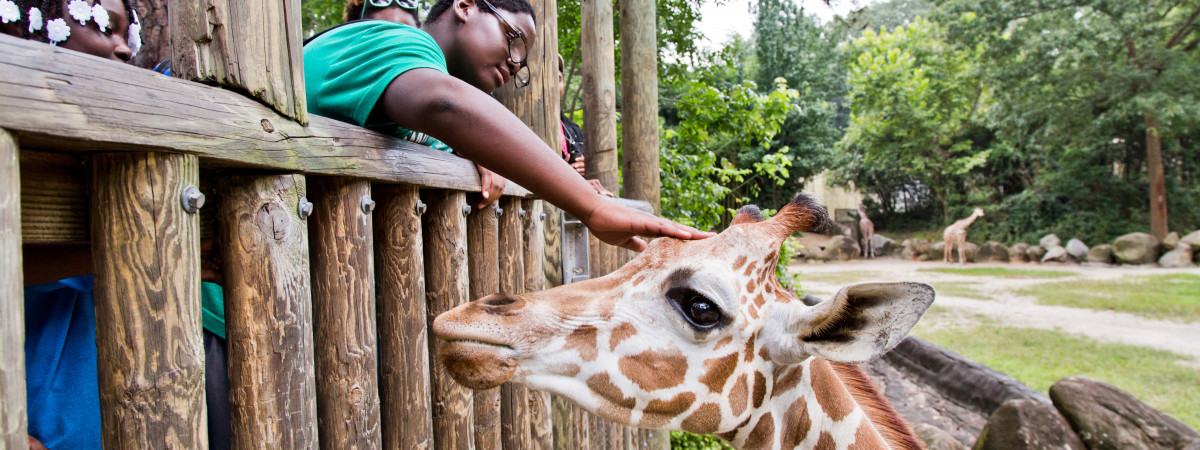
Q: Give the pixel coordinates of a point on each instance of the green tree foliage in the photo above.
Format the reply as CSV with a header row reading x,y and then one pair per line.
x,y
317,15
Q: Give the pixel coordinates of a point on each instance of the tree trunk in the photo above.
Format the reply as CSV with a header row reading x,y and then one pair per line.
x,y
639,93
156,36
1158,184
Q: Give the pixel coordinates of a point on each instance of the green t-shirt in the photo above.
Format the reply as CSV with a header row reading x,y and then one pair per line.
x,y
347,69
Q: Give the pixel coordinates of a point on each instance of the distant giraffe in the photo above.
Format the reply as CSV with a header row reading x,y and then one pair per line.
x,y
957,235
866,231
700,336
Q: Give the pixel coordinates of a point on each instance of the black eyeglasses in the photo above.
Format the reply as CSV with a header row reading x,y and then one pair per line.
x,y
516,48
406,4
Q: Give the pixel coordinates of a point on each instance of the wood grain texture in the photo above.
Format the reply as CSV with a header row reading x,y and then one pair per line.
x,y
54,198
146,252
533,237
268,312
344,332
484,273
537,103
400,311
249,46
552,245
13,423
599,92
639,102
71,102
514,398
446,286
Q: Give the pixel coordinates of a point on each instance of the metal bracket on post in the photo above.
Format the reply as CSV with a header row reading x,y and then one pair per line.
x,y
575,263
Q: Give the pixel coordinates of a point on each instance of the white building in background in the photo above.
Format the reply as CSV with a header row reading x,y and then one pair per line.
x,y
840,202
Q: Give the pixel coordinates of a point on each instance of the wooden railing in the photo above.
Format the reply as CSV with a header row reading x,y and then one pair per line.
x,y
339,246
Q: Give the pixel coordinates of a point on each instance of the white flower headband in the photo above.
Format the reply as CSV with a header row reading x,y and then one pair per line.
x,y
57,29
9,12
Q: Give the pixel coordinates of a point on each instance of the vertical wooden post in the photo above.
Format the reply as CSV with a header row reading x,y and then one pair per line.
x,y
482,265
639,102
514,398
268,312
400,309
445,227
146,252
537,103
344,313
599,92
540,427
13,423
252,46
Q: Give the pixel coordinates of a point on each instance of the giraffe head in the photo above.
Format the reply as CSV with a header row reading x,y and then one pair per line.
x,y
686,336
978,212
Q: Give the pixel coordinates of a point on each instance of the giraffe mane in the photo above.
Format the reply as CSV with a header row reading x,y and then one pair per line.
x,y
887,421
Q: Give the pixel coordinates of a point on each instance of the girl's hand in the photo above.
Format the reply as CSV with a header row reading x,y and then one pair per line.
x,y
578,165
493,187
617,225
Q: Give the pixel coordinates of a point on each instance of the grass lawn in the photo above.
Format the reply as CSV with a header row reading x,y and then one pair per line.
x,y
959,290
1002,272
1167,296
840,278
1038,358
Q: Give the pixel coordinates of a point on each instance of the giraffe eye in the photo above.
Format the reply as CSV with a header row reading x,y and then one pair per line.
x,y
699,311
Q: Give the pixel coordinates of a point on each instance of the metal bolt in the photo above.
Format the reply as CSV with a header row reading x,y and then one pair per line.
x,y
421,208
367,204
191,198
521,213
466,209
499,211
304,208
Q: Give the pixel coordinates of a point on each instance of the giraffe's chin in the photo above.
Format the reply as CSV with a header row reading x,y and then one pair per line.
x,y
478,365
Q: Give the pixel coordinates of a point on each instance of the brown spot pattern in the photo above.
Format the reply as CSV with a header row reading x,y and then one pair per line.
x,y
764,353
866,438
737,263
749,269
704,420
750,285
739,396
760,389
658,412
749,353
795,429
831,394
603,386
719,371
722,342
731,435
763,434
825,442
638,280
583,340
652,370
786,379
620,333
569,370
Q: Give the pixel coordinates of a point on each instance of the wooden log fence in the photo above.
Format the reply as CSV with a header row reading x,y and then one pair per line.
x,y
338,247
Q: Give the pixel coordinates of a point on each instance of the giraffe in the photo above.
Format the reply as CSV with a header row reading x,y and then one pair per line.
x,y
866,231
957,235
700,336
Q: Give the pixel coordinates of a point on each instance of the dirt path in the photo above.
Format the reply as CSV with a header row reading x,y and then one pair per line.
x,y
1006,307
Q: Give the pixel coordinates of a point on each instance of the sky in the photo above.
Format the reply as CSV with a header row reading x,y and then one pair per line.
x,y
718,23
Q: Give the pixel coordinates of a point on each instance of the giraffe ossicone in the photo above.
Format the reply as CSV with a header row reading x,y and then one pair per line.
x,y
700,336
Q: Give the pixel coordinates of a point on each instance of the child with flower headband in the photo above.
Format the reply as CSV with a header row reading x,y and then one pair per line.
x,y
105,28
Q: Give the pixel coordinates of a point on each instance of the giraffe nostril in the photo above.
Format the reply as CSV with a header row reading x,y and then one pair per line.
x,y
501,303
499,300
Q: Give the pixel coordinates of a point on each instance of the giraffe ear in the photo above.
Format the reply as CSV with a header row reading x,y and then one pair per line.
x,y
859,323
748,214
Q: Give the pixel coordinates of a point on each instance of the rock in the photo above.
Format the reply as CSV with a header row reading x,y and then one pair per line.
x,y
1192,239
1181,256
1027,424
1050,241
1107,418
884,246
1057,254
936,438
841,248
1170,241
1077,249
1135,248
937,252
1035,253
914,248
992,251
1102,254
1017,252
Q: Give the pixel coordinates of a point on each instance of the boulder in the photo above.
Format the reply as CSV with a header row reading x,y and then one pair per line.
x,y
1057,254
1021,424
1035,253
1192,239
1017,252
1107,418
1136,248
1170,241
1077,249
936,438
913,249
1102,254
884,246
1050,241
992,251
841,248
1181,256
937,252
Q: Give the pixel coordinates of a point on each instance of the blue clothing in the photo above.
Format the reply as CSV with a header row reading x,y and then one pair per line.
x,y
61,382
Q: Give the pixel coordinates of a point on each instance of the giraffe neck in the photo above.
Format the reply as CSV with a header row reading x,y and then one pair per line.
x,y
963,224
817,404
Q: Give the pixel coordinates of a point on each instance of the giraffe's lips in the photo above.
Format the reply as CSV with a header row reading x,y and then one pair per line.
x,y
478,364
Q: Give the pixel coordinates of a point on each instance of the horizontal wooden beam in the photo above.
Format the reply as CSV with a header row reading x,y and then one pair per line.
x,y
66,101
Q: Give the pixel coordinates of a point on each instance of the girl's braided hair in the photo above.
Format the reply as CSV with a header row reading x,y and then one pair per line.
x,y
53,9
